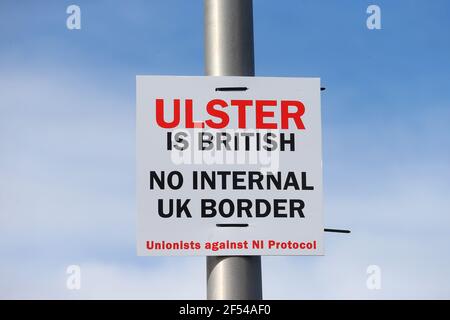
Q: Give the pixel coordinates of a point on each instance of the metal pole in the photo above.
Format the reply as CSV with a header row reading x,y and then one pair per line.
x,y
229,52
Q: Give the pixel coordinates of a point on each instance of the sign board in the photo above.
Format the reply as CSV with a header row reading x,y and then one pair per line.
x,y
229,166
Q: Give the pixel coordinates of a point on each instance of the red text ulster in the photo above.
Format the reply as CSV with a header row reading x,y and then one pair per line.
x,y
263,112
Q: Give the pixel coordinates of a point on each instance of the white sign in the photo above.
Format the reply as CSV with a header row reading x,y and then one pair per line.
x,y
229,166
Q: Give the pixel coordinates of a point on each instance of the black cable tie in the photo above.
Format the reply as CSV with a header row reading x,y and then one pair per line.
x,y
232,89
337,230
227,225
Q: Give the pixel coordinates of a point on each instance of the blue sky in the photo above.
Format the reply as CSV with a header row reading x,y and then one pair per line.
x,y
67,144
